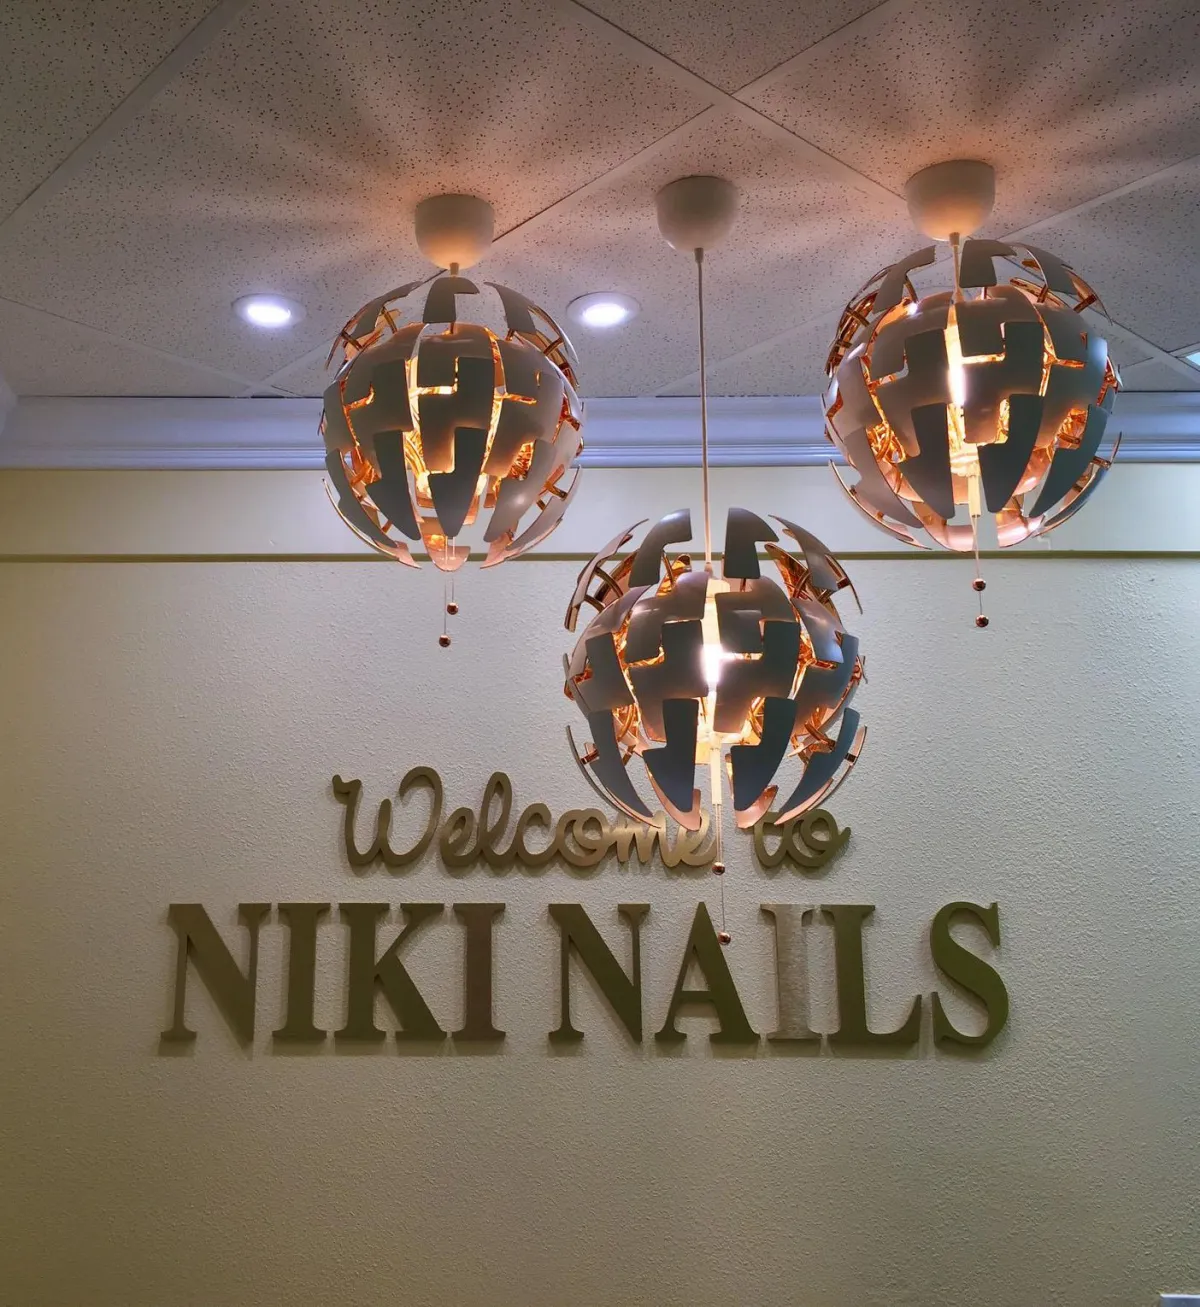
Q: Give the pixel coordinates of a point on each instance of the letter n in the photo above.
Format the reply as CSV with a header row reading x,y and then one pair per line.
x,y
232,989
624,994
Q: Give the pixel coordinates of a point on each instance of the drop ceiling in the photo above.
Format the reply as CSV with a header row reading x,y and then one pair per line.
x,y
159,158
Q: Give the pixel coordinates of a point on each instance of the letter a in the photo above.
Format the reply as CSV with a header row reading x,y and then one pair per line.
x,y
721,995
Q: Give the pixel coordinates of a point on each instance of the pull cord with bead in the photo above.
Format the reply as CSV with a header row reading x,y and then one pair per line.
x,y
719,870
973,498
451,607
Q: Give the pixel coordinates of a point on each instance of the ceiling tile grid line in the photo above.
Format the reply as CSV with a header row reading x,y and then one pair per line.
x,y
207,161
747,113
193,44
730,104
1147,179
860,27
138,347
768,125
722,105
534,220
1167,358
1059,117
739,42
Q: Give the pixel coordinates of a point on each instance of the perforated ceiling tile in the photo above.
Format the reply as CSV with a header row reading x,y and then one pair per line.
x,y
1123,351
1068,100
793,365
1159,376
291,155
41,355
67,65
797,250
732,43
1140,253
310,378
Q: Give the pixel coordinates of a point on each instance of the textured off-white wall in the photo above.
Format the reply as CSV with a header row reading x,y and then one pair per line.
x,y
168,732
1142,507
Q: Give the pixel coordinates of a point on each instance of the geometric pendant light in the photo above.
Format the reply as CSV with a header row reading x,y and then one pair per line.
x,y
991,394
682,667
441,431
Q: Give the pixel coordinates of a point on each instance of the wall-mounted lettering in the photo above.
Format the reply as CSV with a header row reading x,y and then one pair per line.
x,y
376,971
580,837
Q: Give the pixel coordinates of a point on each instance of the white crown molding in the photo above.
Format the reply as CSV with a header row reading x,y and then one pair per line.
x,y
771,431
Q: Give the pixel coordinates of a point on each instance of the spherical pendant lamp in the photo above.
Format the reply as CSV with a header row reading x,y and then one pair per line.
x,y
684,668
991,394
444,432
684,665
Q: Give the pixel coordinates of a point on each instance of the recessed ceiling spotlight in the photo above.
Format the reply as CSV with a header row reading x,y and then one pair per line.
x,y
268,312
602,309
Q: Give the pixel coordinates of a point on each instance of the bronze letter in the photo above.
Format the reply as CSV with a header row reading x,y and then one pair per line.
x,y
491,831
533,857
695,848
972,973
477,984
588,849
769,858
366,973
721,994
819,839
688,847
302,920
349,793
232,989
791,972
414,776
459,843
853,1030
626,832
808,841
623,994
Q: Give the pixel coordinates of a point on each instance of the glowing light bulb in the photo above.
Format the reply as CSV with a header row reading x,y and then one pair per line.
x,y
714,658
954,360
605,315
964,457
269,312
602,309
713,655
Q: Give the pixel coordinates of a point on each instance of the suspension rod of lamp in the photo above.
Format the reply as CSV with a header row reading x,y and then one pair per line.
x,y
703,411
697,213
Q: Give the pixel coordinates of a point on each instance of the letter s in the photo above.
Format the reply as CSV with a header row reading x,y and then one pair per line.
x,y
968,971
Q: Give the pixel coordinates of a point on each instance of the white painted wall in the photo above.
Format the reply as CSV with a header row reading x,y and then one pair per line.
x,y
169,731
